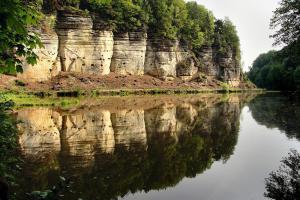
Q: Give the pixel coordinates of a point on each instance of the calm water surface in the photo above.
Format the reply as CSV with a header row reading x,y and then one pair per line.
x,y
206,147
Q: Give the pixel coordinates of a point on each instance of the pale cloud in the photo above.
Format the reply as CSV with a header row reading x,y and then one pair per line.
x,y
252,19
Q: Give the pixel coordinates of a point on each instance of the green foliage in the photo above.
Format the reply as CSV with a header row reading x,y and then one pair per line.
x,y
225,87
9,159
284,183
297,77
286,20
166,18
119,15
278,70
15,39
198,29
226,38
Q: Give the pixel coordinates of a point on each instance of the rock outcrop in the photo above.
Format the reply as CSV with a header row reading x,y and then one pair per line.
x,y
230,70
80,43
162,58
209,67
48,63
129,53
82,48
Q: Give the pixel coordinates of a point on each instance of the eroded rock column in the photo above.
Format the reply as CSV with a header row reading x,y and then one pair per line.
x,y
129,53
230,71
48,63
82,48
162,58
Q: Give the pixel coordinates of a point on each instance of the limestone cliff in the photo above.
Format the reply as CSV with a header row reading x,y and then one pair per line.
x,y
82,48
129,53
162,58
79,43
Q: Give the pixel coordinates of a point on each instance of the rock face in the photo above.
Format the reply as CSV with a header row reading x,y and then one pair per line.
x,y
187,68
82,49
229,69
208,65
129,53
48,64
162,58
80,43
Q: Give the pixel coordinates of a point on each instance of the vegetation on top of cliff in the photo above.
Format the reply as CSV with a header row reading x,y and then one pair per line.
x,y
190,23
199,26
226,38
280,70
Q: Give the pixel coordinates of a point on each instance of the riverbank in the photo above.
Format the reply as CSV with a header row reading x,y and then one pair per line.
x,y
74,84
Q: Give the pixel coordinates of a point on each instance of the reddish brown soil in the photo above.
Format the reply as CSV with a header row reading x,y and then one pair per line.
x,y
85,82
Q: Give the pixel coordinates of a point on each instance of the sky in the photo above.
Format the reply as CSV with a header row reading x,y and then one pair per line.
x,y
252,19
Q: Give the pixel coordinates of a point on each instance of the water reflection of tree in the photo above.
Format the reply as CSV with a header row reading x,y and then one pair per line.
x,y
277,112
9,159
284,184
210,136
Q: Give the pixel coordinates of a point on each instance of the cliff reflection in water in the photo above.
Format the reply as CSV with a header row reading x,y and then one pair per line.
x,y
123,145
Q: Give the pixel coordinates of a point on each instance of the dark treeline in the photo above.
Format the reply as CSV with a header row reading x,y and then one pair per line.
x,y
190,23
280,70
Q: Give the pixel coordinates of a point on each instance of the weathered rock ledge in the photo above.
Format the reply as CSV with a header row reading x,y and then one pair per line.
x,y
79,44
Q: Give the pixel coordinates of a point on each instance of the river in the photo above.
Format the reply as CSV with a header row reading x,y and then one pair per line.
x,y
209,146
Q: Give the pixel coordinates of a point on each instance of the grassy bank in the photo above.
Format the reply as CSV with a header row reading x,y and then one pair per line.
x,y
72,98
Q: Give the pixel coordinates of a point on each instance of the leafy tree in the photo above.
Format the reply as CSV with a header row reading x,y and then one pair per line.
x,y
15,38
284,184
287,19
129,15
226,38
167,17
199,26
119,15
277,69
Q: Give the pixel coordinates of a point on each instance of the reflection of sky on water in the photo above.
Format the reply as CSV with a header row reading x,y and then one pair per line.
x,y
257,153
131,145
